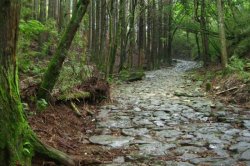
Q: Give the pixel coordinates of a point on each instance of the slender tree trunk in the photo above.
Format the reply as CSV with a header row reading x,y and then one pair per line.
x,y
42,16
74,3
160,33
222,34
51,9
97,31
36,9
149,27
131,32
103,32
141,32
169,33
123,33
154,37
198,45
196,18
64,16
113,39
93,30
53,71
204,35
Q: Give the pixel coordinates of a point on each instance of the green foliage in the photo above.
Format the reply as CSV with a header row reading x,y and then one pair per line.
x,y
72,74
127,75
243,47
27,149
31,49
208,86
41,105
31,28
236,65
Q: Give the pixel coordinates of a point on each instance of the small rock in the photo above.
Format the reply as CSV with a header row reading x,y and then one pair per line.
x,y
247,124
135,132
156,149
245,155
113,141
240,147
119,159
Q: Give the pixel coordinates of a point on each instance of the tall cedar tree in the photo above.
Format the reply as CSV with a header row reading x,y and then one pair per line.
x,y
18,143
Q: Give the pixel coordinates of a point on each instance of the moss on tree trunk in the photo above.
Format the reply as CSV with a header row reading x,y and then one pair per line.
x,y
55,65
18,143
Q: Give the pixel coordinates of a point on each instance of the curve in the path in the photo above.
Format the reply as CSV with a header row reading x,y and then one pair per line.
x,y
170,122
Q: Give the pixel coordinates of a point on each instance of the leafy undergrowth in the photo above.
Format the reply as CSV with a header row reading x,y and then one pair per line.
x,y
230,85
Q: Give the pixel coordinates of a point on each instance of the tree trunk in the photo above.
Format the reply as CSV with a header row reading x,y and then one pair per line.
x,y
141,33
55,65
131,32
113,37
36,9
93,30
123,33
154,37
149,27
97,31
160,33
169,33
103,33
222,34
17,141
42,16
64,15
74,3
204,35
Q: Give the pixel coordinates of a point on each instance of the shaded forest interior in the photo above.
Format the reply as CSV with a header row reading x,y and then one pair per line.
x,y
70,51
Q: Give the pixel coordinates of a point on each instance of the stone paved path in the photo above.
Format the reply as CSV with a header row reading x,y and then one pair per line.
x,y
170,122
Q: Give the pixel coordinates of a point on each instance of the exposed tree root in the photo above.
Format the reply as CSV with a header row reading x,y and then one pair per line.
x,y
75,109
50,152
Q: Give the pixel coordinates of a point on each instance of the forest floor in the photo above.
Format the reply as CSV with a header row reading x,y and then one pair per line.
x,y
164,119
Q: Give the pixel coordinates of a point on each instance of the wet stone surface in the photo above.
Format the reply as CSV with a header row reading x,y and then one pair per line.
x,y
171,122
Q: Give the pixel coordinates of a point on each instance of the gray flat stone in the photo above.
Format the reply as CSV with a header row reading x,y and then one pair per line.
x,y
187,149
247,124
168,133
142,121
156,149
135,132
161,115
240,147
245,155
119,159
188,156
121,123
176,163
113,141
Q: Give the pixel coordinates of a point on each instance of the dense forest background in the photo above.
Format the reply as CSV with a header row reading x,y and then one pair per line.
x,y
136,34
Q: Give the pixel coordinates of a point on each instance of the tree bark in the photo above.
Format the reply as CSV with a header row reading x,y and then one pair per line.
x,y
123,33
141,32
18,143
204,35
42,16
222,34
103,33
55,65
169,33
36,9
